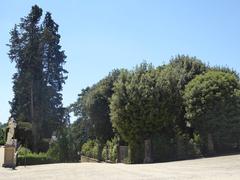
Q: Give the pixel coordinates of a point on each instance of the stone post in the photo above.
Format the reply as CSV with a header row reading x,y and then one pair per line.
x,y
148,151
210,144
9,156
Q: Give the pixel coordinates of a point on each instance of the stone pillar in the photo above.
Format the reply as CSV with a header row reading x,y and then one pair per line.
x,y
148,151
122,153
118,153
210,144
9,156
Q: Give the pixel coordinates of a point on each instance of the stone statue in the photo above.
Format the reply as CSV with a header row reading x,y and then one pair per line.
x,y
11,125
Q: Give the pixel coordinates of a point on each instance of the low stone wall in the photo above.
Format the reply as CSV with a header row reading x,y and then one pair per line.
x,y
88,159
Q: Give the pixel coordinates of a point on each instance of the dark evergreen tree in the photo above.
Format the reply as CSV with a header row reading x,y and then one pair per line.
x,y
25,52
53,75
36,105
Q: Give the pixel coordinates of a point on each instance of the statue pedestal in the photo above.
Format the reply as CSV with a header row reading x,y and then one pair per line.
x,y
9,156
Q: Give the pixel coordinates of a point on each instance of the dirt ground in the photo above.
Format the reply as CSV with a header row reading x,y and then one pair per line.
x,y
225,167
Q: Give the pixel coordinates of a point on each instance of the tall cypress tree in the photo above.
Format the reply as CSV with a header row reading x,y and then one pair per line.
x,y
37,101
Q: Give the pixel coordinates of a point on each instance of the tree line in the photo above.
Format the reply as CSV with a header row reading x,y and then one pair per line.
x,y
184,108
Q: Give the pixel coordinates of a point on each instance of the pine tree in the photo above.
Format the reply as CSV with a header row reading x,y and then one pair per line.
x,y
54,75
37,103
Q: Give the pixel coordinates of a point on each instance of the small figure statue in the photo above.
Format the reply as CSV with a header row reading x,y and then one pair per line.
x,y
11,125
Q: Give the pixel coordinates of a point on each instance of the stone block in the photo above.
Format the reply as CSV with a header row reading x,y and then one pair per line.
x,y
9,156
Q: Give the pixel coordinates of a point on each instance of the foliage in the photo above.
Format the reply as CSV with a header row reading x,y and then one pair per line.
x,y
24,133
181,70
80,133
156,104
23,151
212,107
35,49
34,159
3,131
226,70
81,129
92,110
110,150
90,149
3,126
139,107
54,76
63,150
54,152
97,107
2,137
134,104
27,157
78,107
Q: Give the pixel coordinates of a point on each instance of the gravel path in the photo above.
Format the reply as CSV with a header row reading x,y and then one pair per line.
x,y
225,167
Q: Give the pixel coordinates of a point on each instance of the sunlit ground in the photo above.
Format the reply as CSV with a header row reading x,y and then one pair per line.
x,y
225,167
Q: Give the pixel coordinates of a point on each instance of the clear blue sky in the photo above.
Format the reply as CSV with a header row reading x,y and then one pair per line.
x,y
99,35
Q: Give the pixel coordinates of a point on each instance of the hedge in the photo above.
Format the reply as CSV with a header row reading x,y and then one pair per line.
x,y
34,159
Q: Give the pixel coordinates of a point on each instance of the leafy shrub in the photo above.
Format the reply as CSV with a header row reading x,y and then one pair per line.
x,y
2,141
104,153
63,148
22,151
110,150
54,152
26,156
90,149
34,159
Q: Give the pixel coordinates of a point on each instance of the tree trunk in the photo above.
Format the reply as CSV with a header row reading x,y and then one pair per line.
x,y
34,125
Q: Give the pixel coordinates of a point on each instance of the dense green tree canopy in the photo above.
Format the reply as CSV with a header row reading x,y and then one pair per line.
x,y
153,103
92,110
81,129
213,106
97,107
138,104
181,70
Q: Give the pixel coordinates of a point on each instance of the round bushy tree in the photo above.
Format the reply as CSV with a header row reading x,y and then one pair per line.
x,y
213,109
138,106
180,71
